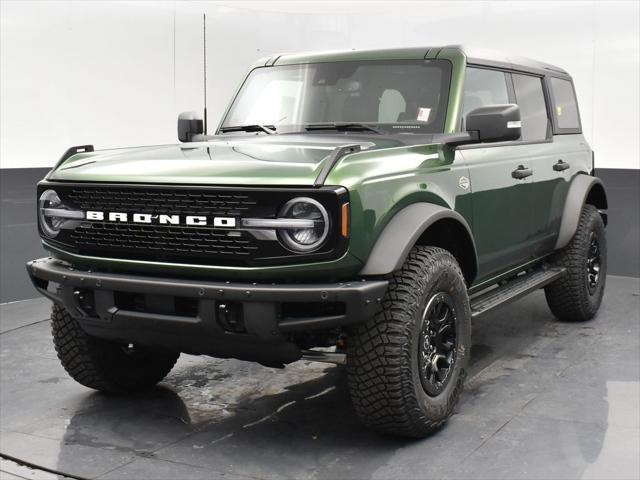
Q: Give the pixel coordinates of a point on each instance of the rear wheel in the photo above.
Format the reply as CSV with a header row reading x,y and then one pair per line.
x,y
103,365
577,295
406,367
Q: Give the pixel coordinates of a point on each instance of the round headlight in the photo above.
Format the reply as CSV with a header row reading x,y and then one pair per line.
x,y
304,239
50,225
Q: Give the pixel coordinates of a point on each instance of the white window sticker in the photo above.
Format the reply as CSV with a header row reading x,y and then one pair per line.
x,y
423,114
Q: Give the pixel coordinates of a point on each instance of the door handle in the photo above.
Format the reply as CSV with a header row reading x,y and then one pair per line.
x,y
521,172
561,165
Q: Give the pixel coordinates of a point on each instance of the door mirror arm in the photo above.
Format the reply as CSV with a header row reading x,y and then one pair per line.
x,y
495,123
463,138
488,124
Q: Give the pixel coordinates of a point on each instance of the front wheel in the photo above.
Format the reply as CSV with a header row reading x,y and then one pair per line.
x,y
577,295
406,367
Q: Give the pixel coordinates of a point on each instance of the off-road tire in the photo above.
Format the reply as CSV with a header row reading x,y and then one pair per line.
x,y
103,365
569,297
382,354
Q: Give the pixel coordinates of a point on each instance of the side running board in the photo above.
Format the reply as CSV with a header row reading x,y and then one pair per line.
x,y
513,289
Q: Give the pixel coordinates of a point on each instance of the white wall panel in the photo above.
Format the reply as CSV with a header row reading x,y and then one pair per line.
x,y
84,72
117,74
615,105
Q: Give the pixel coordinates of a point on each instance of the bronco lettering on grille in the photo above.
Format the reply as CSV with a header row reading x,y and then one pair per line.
x,y
196,220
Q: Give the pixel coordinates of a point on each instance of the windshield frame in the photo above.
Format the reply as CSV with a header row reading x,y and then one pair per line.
x,y
438,126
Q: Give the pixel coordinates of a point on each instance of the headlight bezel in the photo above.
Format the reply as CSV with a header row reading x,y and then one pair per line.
x,y
285,235
54,200
52,209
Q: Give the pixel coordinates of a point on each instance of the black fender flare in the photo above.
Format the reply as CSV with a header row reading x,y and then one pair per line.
x,y
583,187
403,231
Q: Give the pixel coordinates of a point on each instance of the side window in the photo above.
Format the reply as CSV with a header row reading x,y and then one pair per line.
x,y
483,87
565,107
533,110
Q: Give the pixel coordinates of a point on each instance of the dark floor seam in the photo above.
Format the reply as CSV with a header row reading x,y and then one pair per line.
x,y
116,468
175,462
601,426
192,434
499,429
24,326
38,467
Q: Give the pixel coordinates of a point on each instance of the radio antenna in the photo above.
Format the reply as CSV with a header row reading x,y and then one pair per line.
x,y
204,41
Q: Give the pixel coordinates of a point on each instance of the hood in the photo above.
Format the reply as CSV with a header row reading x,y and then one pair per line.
x,y
252,160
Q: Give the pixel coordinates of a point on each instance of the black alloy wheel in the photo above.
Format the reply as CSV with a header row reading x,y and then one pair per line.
x,y
593,263
437,350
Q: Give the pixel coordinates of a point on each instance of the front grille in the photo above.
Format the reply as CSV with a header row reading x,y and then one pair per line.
x,y
185,202
182,243
165,240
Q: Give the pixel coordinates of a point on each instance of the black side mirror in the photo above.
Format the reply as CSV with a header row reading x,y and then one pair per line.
x,y
189,125
495,123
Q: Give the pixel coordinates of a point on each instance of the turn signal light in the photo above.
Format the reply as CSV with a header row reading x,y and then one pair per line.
x,y
345,220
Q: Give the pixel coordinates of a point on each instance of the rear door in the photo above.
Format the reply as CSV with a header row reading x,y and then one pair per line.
x,y
549,187
570,155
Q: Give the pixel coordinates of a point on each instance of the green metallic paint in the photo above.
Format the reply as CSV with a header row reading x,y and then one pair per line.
x,y
551,187
382,182
501,207
225,162
454,110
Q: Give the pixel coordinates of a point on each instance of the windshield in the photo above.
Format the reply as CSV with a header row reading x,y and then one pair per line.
x,y
399,96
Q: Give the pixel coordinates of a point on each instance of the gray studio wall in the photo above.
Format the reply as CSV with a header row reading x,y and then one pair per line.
x,y
115,74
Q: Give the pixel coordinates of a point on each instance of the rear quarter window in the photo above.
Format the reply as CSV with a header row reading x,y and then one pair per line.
x,y
565,106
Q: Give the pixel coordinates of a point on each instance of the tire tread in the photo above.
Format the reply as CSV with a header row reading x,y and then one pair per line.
x,y
568,297
99,364
379,374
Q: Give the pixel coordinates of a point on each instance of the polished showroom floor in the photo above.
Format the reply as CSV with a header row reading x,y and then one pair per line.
x,y
544,400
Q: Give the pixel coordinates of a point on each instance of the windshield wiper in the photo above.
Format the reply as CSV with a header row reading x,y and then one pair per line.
x,y
269,129
343,126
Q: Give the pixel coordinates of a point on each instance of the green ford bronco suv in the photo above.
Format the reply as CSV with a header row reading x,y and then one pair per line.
x,y
358,208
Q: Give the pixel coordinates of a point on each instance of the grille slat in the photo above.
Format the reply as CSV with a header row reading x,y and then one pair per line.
x,y
176,202
170,240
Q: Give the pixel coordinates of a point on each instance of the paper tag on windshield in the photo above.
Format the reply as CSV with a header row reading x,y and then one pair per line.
x,y
423,114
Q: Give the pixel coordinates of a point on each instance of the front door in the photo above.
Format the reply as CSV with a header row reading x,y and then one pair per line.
x,y
500,183
501,187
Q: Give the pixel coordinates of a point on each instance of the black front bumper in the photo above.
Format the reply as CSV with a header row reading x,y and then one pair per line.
x,y
186,315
